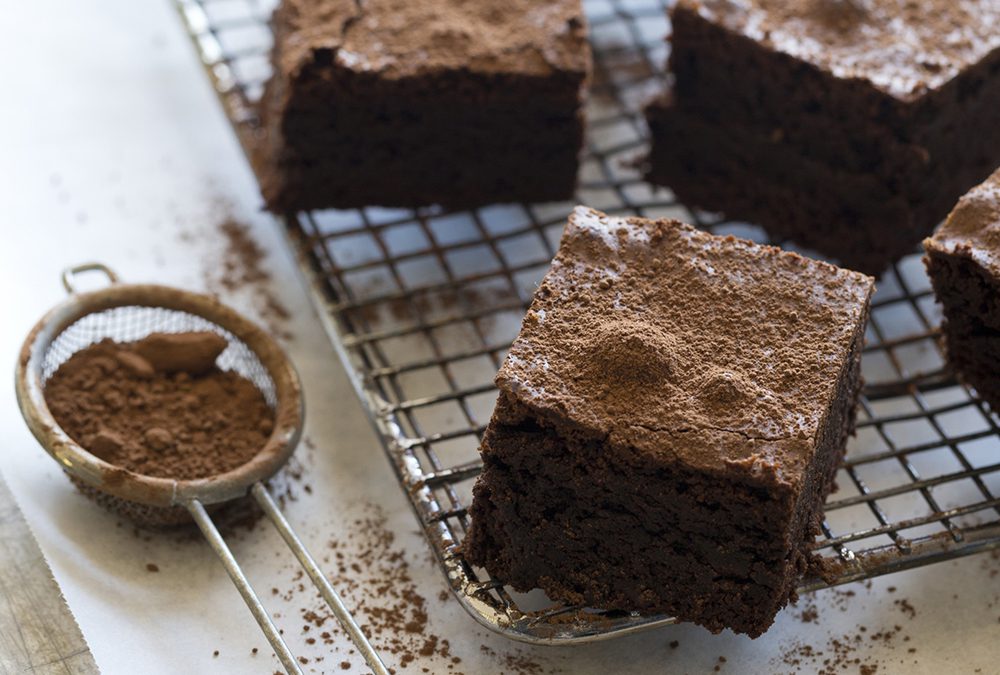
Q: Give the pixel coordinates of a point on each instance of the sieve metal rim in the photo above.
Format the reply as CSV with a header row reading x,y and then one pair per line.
x,y
149,490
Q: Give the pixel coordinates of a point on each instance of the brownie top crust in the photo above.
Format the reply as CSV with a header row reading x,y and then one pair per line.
x,y
972,229
656,337
404,38
905,48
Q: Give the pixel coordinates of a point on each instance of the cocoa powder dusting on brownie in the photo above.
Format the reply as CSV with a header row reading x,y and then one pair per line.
x,y
159,406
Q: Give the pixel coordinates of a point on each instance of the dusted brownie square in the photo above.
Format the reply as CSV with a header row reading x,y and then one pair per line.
x,y
963,261
670,421
899,96
400,103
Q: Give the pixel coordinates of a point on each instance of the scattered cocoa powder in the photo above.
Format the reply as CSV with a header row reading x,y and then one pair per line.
x,y
842,652
905,607
839,654
242,262
847,652
389,608
522,665
371,571
243,269
842,599
239,267
810,613
159,406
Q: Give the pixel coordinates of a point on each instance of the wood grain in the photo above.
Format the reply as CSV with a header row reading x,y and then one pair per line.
x,y
37,631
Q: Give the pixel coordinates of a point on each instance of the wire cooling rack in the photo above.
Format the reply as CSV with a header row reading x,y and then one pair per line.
x,y
421,306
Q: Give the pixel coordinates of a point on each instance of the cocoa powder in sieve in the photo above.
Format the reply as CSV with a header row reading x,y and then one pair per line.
x,y
160,406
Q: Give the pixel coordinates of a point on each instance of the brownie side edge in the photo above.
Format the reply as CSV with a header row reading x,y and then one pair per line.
x,y
970,300
545,517
853,218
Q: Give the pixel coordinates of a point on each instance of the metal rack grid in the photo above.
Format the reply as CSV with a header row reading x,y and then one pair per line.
x,y
421,306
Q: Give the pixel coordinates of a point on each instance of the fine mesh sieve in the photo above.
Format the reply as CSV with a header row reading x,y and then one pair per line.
x,y
129,312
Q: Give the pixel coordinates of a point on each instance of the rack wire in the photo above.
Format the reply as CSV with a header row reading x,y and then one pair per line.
x,y
422,305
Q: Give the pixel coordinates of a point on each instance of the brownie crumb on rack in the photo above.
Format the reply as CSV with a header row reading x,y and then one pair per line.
x,y
150,408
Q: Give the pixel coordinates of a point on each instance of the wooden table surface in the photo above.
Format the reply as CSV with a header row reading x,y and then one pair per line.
x,y
37,631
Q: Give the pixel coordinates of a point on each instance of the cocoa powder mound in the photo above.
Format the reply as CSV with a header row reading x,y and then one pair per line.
x,y
160,406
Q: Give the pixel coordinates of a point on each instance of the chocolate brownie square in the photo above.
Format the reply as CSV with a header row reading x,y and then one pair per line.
x,y
397,103
902,96
670,421
963,261
794,196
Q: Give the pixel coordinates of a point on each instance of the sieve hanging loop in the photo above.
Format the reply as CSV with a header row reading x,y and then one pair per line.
x,y
70,272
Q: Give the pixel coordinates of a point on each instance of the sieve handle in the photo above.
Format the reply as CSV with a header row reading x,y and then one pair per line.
x,y
319,580
221,549
70,272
